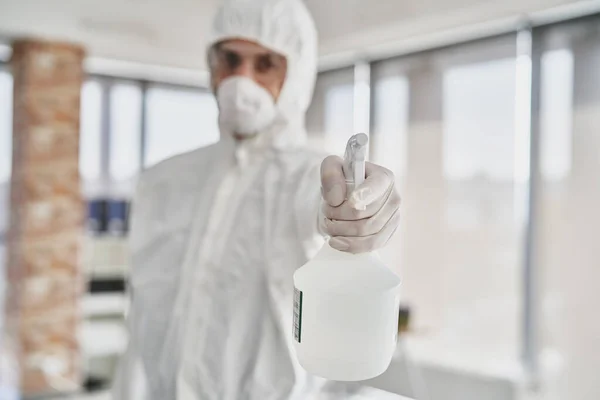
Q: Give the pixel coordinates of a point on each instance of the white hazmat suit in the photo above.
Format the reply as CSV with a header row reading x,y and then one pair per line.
x,y
216,236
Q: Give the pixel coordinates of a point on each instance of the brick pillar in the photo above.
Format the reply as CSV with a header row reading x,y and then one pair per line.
x,y
46,217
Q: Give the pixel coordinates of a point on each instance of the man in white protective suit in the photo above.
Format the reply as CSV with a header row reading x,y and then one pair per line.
x,y
217,233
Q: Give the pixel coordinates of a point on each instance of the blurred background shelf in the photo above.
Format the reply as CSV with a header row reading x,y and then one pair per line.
x,y
103,332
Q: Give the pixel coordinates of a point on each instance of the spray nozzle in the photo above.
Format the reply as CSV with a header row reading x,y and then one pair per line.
x,y
354,161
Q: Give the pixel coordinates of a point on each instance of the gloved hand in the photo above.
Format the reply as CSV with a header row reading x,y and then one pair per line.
x,y
368,218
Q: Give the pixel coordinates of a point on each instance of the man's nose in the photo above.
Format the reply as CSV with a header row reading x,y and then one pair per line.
x,y
245,68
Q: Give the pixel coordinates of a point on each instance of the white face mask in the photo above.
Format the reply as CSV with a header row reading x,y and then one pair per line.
x,y
245,108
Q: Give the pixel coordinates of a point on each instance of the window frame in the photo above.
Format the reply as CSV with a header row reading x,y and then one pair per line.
x,y
4,67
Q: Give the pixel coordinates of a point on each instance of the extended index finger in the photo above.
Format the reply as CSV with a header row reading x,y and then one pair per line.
x,y
378,182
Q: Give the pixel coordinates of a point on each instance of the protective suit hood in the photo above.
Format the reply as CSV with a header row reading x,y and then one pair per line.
x,y
286,27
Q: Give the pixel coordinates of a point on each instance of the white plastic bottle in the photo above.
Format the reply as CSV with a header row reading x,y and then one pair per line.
x,y
346,305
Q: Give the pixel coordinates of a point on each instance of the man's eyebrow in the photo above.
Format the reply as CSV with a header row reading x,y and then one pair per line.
x,y
261,52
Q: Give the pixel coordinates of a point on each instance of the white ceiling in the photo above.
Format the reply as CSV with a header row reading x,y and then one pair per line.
x,y
171,32
167,32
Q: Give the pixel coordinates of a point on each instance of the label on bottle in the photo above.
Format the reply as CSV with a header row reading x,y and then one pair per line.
x,y
297,315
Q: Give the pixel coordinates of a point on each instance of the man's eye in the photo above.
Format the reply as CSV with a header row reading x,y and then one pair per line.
x,y
264,64
232,60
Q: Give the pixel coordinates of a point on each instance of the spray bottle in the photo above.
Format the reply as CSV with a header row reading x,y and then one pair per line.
x,y
346,305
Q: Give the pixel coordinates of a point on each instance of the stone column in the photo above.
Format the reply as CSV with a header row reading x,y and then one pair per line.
x,y
46,218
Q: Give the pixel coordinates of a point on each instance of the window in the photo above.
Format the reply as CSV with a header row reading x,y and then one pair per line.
x,y
339,116
445,120
178,121
330,117
479,120
125,131
566,247
6,112
388,146
90,141
389,139
557,114
361,103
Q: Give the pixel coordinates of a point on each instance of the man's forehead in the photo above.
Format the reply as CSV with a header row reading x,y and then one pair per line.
x,y
243,46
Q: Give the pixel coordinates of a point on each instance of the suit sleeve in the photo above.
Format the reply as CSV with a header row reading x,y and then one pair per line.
x,y
307,205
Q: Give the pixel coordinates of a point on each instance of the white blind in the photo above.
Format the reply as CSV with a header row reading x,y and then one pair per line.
x,y
444,122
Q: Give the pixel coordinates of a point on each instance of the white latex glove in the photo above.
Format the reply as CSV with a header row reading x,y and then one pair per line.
x,y
368,218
